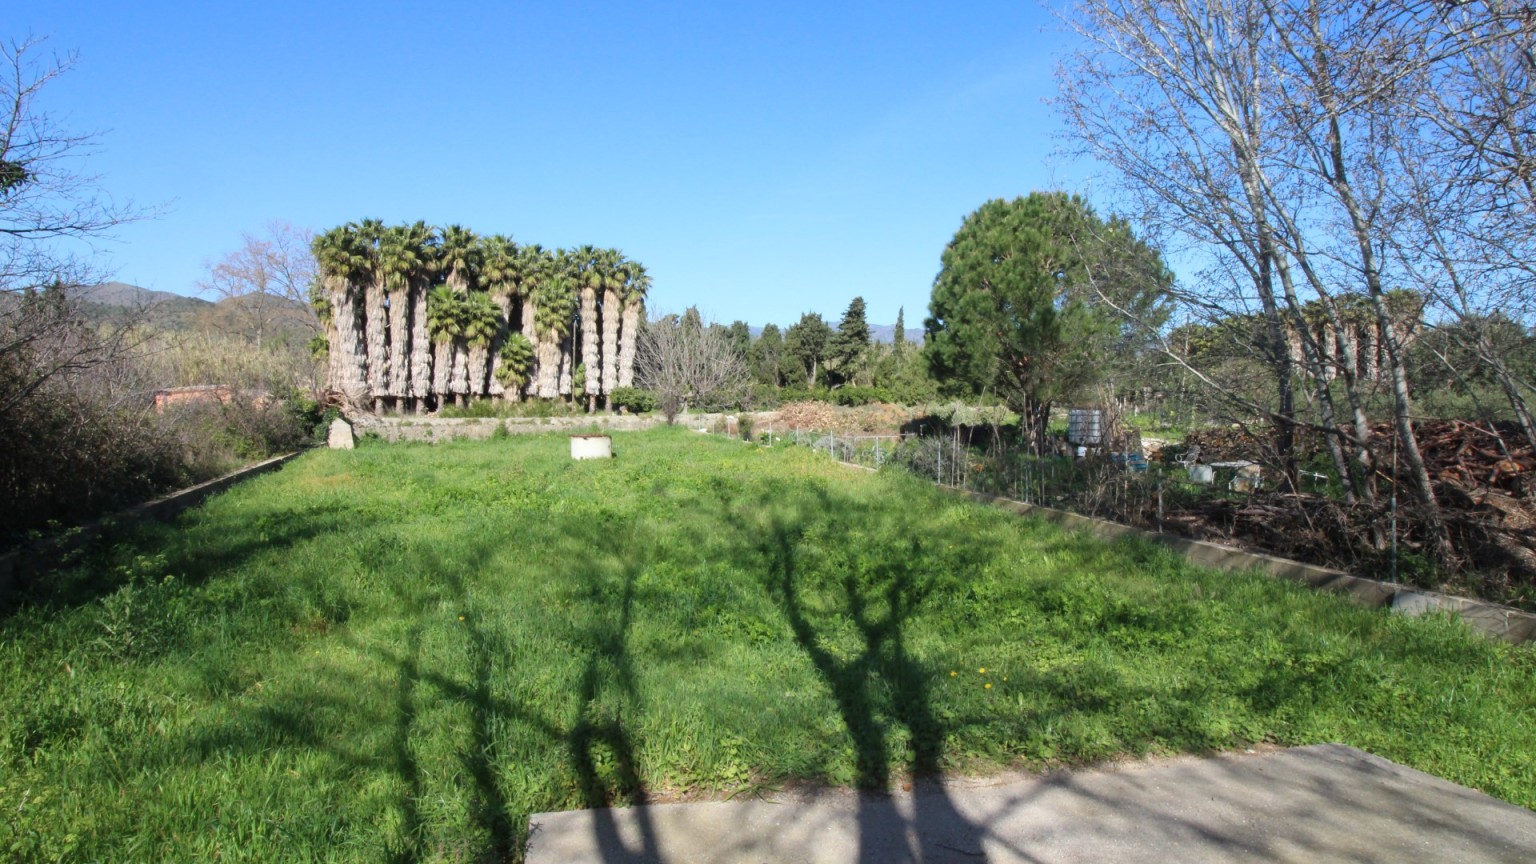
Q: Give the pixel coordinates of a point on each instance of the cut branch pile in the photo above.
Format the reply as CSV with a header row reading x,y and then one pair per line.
x,y
1485,482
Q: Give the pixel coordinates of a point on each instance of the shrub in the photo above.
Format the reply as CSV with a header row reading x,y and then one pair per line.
x,y
855,396
632,399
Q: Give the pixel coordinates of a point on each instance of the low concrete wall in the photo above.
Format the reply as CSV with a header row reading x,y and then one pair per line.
x,y
22,564
434,429
1501,622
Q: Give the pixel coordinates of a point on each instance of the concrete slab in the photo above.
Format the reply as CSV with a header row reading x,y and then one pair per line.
x,y
1324,803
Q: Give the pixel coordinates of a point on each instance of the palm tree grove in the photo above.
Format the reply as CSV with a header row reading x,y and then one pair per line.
x,y
417,317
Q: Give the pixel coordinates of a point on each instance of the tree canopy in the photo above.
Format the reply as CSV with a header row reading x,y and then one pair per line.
x,y
1029,303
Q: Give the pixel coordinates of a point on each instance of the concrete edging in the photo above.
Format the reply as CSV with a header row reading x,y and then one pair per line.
x,y
20,564
1491,619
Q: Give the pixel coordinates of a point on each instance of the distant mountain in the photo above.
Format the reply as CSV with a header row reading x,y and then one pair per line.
x,y
121,302
132,296
877,332
887,333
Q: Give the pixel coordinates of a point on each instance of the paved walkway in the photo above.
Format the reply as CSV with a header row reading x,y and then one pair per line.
x,y
1325,803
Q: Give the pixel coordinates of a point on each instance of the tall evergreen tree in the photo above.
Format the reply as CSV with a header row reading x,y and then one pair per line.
x,y
1018,308
849,345
766,355
899,339
805,349
741,338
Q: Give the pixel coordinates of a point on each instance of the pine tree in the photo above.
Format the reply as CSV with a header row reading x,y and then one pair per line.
x,y
849,345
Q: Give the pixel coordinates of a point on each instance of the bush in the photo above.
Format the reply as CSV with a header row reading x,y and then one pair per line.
x,y
632,399
856,396
485,409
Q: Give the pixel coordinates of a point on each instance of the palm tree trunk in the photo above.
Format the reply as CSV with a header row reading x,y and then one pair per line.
x,y
567,364
378,343
442,369
351,360
503,325
627,338
458,381
589,345
399,345
549,364
531,331
421,347
477,357
610,361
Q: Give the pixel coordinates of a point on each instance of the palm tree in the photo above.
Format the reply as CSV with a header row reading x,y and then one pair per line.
x,y
343,267
557,312
612,271
636,286
514,362
498,273
535,263
421,339
459,259
369,232
446,321
400,257
588,263
481,322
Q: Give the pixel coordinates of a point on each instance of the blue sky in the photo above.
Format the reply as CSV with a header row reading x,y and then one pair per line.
x,y
761,159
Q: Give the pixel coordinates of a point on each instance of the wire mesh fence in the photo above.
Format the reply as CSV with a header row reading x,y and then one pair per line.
x,y
1123,486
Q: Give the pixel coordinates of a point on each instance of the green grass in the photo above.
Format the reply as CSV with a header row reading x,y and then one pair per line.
x,y
399,652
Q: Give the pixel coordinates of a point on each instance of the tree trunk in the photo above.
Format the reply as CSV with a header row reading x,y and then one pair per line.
x,y
493,384
610,361
549,353
458,379
1423,488
567,364
442,369
352,357
378,341
476,359
590,356
627,339
421,347
399,344
531,331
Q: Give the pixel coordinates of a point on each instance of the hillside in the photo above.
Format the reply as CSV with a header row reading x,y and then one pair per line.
x,y
119,301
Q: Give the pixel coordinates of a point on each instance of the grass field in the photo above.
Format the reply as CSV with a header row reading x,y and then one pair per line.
x,y
398,653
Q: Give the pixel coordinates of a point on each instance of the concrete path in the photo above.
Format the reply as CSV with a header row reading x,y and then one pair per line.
x,y
1325,803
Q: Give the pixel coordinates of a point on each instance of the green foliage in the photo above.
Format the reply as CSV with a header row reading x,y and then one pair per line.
x,y
1016,308
515,362
848,347
633,399
805,350
765,357
854,396
448,314
402,651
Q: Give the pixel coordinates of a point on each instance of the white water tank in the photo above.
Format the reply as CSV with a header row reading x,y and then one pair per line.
x,y
591,447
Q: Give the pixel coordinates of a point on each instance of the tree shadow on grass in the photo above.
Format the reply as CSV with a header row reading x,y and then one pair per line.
x,y
880,684
194,551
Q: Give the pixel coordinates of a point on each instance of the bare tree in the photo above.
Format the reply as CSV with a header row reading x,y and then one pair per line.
x,y
265,284
688,365
44,205
1262,133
